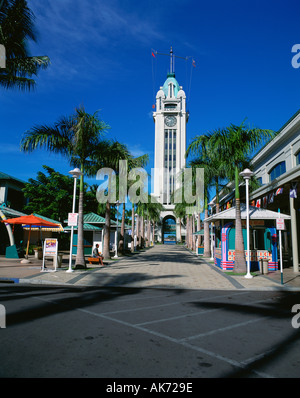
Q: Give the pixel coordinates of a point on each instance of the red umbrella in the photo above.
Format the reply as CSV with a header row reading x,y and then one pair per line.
x,y
31,220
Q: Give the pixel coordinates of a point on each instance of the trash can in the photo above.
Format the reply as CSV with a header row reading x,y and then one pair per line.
x,y
265,267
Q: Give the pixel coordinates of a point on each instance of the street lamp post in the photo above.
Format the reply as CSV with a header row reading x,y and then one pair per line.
x,y
247,174
116,233
75,174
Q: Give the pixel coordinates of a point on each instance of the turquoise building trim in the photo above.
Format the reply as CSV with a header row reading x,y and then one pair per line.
x,y
171,79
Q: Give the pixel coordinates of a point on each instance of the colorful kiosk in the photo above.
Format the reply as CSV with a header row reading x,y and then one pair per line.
x,y
263,237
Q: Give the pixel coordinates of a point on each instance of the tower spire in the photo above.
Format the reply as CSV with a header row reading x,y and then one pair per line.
x,y
171,61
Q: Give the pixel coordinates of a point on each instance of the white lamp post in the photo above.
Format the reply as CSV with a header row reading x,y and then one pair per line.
x,y
211,204
247,174
75,174
116,233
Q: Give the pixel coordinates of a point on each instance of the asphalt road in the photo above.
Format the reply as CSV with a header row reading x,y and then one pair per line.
x,y
148,333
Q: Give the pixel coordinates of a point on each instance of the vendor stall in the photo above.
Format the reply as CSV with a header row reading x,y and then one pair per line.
x,y
263,237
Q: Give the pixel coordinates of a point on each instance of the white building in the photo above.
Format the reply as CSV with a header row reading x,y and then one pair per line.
x,y
170,120
277,166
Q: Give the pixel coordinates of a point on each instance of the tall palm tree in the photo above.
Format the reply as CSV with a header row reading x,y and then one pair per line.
x,y
214,171
234,145
180,214
132,163
152,212
16,30
109,158
76,137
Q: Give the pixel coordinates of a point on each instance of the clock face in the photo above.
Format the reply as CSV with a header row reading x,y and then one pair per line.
x,y
170,121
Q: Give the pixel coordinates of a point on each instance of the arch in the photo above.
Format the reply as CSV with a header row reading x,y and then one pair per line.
x,y
169,229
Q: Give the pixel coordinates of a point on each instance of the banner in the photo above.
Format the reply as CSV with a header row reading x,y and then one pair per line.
x,y
293,190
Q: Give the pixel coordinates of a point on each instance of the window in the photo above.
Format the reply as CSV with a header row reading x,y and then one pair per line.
x,y
260,180
297,156
277,170
171,106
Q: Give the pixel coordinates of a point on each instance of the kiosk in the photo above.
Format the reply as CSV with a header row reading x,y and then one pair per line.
x,y
263,237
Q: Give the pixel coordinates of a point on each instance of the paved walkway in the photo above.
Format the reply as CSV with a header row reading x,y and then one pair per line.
x,y
162,266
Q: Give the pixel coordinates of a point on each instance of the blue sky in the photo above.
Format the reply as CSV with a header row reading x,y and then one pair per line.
x,y
100,53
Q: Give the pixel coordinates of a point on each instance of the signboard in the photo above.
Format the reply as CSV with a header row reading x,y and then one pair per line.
x,y
50,250
72,219
280,224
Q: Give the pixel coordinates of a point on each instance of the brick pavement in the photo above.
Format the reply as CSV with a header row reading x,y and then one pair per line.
x,y
162,266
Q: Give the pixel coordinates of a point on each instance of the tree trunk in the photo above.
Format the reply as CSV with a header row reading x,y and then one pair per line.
x,y
122,237
132,229
148,233
80,260
240,260
138,232
180,239
143,232
153,233
187,231
193,231
106,251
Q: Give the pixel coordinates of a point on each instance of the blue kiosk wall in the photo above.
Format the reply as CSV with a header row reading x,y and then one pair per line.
x,y
225,253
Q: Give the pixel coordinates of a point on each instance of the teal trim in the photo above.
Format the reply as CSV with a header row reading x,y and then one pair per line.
x,y
171,79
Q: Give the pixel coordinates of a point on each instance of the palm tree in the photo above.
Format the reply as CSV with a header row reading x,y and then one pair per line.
x,y
109,157
234,145
148,208
214,170
16,29
180,214
132,163
152,212
76,137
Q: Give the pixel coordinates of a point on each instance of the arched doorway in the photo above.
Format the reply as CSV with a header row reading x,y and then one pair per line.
x,y
169,230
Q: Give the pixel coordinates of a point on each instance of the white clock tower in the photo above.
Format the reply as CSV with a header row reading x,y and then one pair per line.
x,y
170,120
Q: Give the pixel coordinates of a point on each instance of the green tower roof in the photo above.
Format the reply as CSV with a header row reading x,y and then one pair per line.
x,y
171,78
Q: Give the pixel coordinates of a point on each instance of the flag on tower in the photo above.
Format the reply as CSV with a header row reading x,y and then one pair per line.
x,y
152,53
194,63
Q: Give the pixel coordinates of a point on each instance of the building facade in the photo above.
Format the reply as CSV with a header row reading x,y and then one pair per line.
x,y
170,118
277,167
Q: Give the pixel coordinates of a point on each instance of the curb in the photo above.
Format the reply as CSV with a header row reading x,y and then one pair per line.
x,y
9,280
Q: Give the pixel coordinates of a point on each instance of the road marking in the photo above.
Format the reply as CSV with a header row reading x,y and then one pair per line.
x,y
224,329
176,341
183,342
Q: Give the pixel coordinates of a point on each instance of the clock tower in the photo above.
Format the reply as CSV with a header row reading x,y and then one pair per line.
x,y
170,118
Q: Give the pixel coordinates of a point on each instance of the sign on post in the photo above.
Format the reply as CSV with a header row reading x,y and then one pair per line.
x,y
72,219
50,250
280,226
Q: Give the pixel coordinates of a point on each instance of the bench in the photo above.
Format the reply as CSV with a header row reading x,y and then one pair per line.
x,y
95,260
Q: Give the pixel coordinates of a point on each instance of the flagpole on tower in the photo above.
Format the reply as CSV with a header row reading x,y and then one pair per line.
x,y
171,61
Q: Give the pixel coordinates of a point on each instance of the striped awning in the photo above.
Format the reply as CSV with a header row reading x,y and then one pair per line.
x,y
59,228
